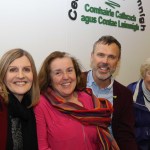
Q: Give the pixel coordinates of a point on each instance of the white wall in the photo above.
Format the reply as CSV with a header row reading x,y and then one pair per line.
x,y
42,26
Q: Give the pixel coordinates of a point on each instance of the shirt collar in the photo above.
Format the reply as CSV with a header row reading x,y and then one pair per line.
x,y
90,80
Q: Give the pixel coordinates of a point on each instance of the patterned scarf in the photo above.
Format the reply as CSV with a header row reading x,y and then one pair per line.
x,y
100,116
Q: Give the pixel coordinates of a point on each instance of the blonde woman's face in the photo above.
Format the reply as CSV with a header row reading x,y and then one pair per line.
x,y
147,80
19,77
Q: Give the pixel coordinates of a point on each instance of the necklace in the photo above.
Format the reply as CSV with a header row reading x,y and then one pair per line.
x,y
146,97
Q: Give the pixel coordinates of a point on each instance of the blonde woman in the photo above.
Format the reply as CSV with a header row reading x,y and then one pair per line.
x,y
19,93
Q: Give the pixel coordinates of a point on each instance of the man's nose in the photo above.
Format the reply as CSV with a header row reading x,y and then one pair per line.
x,y
105,59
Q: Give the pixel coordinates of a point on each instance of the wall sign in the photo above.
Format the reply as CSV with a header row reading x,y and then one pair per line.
x,y
110,14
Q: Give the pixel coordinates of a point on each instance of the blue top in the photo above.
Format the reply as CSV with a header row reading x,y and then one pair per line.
x,y
100,92
142,117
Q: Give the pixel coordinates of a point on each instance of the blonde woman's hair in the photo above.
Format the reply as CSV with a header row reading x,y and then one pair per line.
x,y
5,61
3,91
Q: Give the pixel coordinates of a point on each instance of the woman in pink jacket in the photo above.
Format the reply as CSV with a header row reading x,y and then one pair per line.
x,y
67,117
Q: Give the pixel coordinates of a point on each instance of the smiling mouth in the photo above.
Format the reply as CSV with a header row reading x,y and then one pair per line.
x,y
103,69
66,84
20,83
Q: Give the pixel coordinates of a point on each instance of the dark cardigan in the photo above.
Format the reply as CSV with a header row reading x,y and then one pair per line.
x,y
123,116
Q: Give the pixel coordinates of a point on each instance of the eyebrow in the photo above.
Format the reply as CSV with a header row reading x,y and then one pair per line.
x,y
61,69
17,66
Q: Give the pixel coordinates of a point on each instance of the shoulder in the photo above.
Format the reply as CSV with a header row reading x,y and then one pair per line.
x,y
83,94
3,112
86,99
2,104
1,100
121,90
43,102
120,86
132,85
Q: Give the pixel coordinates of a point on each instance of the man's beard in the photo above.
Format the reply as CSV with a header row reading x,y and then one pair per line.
x,y
103,76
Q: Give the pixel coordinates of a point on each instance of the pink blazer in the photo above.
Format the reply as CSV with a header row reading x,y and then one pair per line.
x,y
57,130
